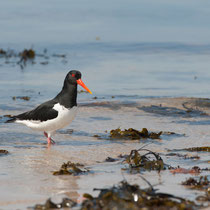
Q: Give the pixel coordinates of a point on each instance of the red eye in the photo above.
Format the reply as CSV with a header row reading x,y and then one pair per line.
x,y
73,75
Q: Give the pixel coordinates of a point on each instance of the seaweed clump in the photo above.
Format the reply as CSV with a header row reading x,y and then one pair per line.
x,y
198,149
133,134
110,159
201,184
25,98
82,91
148,161
193,170
3,152
27,54
126,196
66,203
21,58
185,156
2,52
70,168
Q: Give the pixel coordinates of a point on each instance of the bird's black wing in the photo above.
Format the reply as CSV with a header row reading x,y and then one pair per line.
x,y
43,112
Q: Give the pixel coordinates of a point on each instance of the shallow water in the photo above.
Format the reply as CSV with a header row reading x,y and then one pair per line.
x,y
26,173
132,58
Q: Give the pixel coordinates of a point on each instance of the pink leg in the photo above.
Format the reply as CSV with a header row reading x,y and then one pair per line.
x,y
49,140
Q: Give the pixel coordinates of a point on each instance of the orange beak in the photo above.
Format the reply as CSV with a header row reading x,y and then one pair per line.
x,y
81,83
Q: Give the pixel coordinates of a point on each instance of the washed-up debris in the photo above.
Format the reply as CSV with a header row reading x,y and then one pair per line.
x,y
96,136
133,134
66,203
7,53
185,156
70,168
27,55
110,159
193,149
3,152
202,183
148,161
98,38
198,149
123,156
193,170
132,197
82,91
25,98
2,52
120,157
170,133
7,115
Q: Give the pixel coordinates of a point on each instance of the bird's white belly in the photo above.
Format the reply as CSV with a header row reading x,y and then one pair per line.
x,y
64,118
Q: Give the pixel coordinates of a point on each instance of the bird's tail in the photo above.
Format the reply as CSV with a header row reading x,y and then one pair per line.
x,y
11,120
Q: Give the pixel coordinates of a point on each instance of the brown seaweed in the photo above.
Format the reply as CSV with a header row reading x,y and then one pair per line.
x,y
3,152
133,134
110,159
148,161
2,52
25,98
66,203
201,184
198,149
185,156
70,168
96,136
21,58
27,54
82,91
7,115
132,197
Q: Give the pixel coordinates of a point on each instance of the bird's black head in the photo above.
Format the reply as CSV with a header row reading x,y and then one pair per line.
x,y
74,78
68,95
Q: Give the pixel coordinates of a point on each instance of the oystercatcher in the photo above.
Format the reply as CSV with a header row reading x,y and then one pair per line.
x,y
56,113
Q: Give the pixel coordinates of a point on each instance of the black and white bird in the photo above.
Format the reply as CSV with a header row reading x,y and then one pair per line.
x,y
56,113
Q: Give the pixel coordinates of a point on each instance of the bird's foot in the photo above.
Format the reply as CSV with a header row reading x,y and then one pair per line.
x,y
50,141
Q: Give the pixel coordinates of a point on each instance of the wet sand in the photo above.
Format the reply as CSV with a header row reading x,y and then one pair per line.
x,y
26,172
